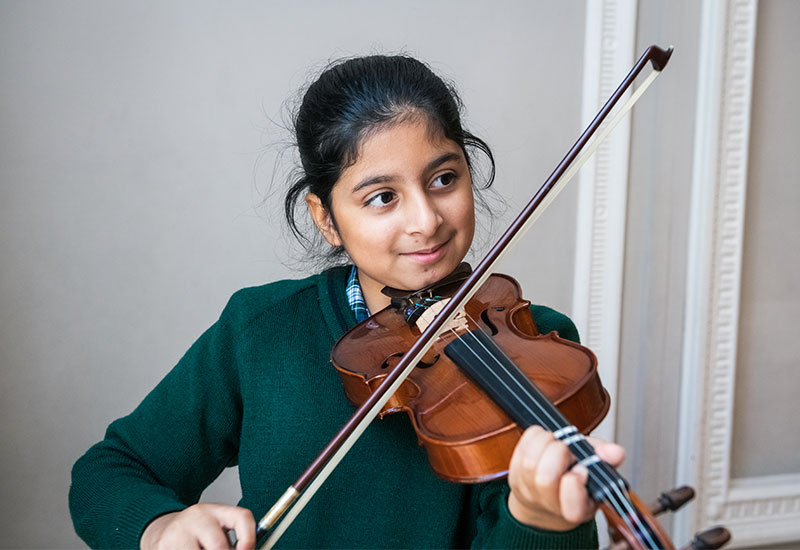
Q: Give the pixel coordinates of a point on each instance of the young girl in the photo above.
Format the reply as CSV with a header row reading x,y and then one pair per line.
x,y
387,179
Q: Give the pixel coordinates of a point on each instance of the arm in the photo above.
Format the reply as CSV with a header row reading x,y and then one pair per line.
x,y
162,456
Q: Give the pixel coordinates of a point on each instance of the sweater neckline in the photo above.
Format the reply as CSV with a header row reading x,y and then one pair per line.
x,y
331,285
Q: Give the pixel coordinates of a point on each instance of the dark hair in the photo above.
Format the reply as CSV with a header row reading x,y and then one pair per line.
x,y
356,97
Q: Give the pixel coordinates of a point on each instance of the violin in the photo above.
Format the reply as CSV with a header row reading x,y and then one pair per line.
x,y
469,438
493,349
465,360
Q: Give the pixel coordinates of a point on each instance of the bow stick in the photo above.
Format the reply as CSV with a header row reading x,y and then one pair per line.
x,y
301,491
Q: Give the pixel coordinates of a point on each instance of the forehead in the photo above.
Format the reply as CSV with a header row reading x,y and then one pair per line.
x,y
407,143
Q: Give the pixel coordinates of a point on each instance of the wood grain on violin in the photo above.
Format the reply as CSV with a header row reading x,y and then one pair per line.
x,y
468,437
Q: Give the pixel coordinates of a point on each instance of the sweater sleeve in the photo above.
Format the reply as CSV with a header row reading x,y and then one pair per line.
x,y
162,456
495,526
548,320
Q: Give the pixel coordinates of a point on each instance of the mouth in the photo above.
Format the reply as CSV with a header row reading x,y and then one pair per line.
x,y
428,254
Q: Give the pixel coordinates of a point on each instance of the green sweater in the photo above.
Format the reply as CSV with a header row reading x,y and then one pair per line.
x,y
257,390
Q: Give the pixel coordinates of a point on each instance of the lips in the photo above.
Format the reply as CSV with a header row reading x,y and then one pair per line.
x,y
429,250
427,254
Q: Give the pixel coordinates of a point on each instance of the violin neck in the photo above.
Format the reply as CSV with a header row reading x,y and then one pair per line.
x,y
479,356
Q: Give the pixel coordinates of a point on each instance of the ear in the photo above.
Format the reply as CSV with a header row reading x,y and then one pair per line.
x,y
322,219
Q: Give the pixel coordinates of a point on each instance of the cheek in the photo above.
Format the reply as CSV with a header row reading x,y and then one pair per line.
x,y
470,214
368,237
465,215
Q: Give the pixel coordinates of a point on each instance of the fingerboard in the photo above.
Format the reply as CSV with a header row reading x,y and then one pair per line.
x,y
479,356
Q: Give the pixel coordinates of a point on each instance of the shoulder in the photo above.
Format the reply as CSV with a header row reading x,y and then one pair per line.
x,y
549,320
250,303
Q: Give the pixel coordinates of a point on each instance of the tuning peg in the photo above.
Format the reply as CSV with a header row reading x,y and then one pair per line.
x,y
710,539
672,500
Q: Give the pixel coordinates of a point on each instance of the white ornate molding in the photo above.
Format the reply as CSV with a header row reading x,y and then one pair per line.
x,y
757,510
602,195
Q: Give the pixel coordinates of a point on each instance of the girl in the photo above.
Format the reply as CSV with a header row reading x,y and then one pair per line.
x,y
387,179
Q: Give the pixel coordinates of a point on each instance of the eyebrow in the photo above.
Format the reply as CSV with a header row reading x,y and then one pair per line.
x,y
432,165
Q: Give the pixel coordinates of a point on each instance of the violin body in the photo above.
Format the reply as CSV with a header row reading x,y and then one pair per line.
x,y
467,436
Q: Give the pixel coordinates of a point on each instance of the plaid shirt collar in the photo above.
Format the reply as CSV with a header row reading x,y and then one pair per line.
x,y
355,297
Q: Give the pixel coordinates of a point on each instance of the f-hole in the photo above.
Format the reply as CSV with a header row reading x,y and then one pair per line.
x,y
485,317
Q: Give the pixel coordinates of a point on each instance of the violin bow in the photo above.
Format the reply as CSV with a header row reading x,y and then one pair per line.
x,y
275,522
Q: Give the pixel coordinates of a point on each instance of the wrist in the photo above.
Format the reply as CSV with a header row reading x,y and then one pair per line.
x,y
536,517
152,532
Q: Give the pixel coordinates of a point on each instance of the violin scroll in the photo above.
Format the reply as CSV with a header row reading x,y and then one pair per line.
x,y
710,539
670,501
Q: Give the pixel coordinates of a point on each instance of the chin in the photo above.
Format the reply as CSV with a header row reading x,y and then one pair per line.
x,y
424,276
434,276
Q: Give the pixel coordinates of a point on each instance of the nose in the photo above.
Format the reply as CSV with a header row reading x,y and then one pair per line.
x,y
422,215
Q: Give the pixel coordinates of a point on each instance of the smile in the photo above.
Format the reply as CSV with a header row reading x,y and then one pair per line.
x,y
427,255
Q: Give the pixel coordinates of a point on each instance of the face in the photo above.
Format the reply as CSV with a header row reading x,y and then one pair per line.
x,y
403,211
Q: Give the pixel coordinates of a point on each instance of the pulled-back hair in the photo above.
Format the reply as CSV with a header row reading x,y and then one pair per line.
x,y
355,98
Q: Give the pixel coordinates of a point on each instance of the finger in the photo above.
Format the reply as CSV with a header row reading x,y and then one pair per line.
x,y
553,463
610,452
576,505
237,524
524,460
245,527
211,533
530,447
551,469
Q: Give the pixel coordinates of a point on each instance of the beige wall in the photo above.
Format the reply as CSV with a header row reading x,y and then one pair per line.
x,y
711,271
766,427
655,251
136,149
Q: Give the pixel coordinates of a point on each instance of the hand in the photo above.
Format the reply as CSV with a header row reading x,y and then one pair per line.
x,y
544,492
201,526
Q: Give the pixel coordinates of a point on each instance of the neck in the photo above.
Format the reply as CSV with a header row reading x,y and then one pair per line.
x,y
375,300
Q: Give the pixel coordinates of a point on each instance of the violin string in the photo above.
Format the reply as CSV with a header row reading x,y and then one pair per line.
x,y
614,493
614,496
619,501
615,499
614,489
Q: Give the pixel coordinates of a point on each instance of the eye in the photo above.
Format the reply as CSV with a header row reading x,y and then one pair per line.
x,y
381,199
444,180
